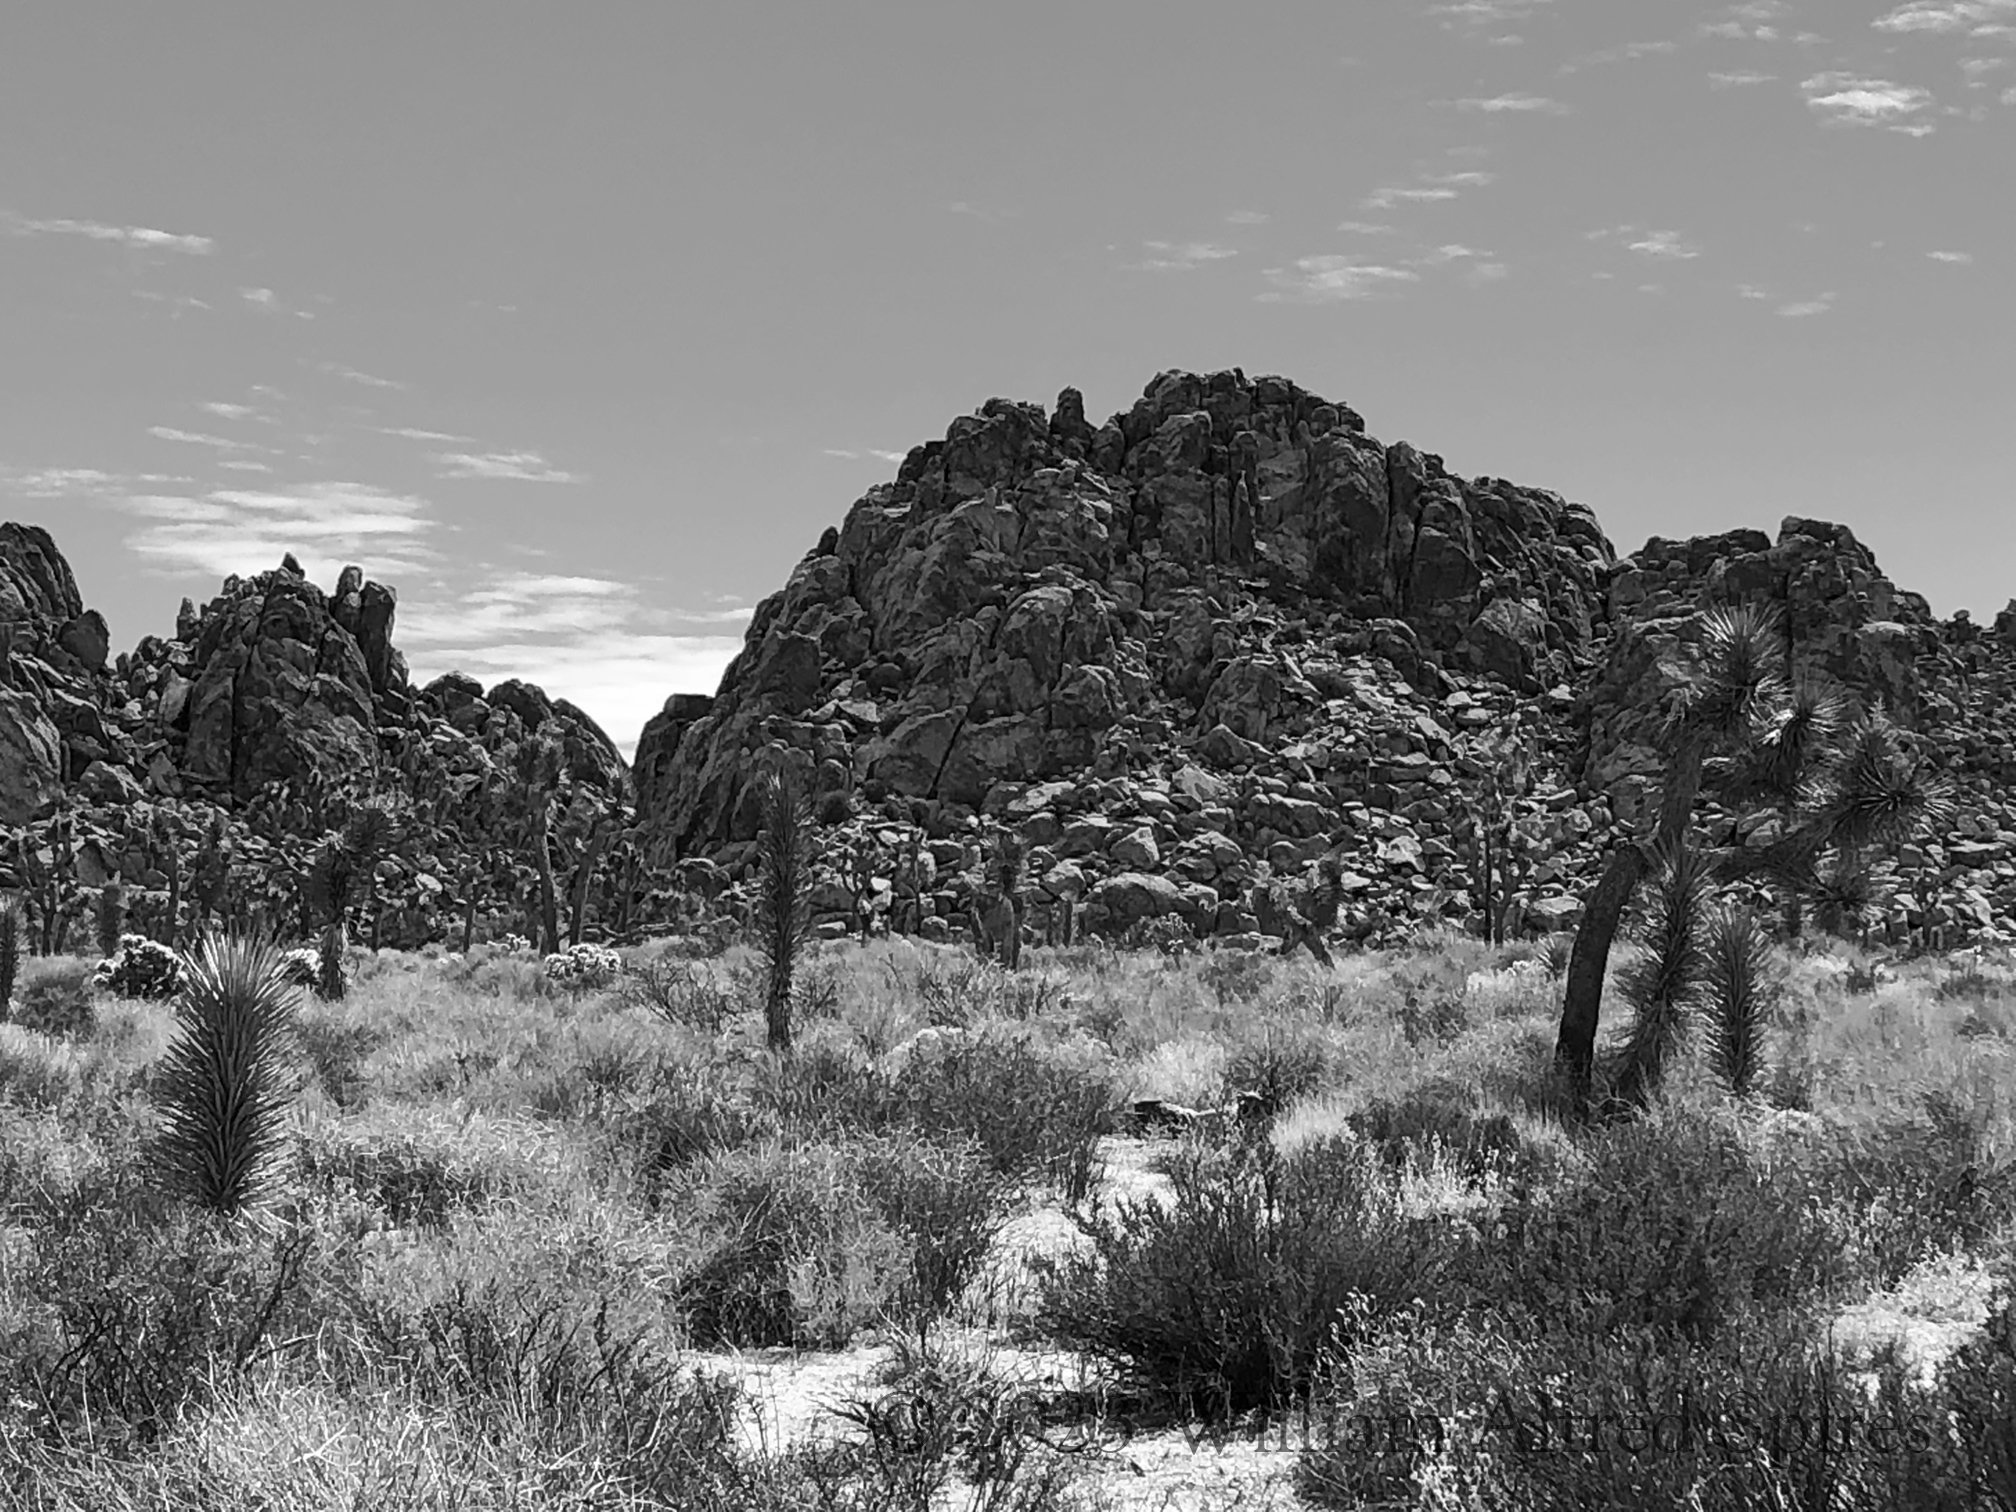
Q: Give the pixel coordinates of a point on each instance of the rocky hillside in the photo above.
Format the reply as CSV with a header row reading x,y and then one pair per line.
x,y
271,708
1228,629
1222,634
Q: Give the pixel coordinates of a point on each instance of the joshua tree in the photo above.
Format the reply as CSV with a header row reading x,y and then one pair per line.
x,y
1738,706
783,913
111,918
1502,763
1001,906
10,951
227,1080
539,767
1302,912
344,867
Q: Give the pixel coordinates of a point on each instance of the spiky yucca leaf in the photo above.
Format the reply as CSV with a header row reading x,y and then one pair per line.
x,y
1797,749
1882,796
1662,985
1736,966
785,852
1738,685
1844,893
227,1080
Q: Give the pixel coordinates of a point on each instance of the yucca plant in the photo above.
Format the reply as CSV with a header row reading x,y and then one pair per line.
x,y
1737,986
783,913
1662,985
227,1081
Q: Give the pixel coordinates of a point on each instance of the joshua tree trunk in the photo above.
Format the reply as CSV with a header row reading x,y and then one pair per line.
x,y
1582,998
584,875
549,901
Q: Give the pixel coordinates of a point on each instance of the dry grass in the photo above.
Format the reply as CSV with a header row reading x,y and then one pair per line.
x,y
475,1154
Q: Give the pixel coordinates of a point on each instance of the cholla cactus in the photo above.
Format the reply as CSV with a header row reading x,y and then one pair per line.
x,y
140,968
583,967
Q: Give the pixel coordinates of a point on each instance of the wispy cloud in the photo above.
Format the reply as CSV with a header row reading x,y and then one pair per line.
x,y
230,411
1329,279
1845,99
861,453
1627,53
1523,104
194,438
326,526
1364,228
1739,80
1487,15
1800,309
414,433
351,375
1430,190
991,214
515,466
1660,246
1248,218
586,639
143,238
1947,16
1181,257
1951,257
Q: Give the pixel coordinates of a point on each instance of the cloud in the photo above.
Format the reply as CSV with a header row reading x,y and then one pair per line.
x,y
1947,16
266,299
351,375
326,526
1329,279
1521,103
1739,80
1846,100
991,214
1248,218
1629,52
1802,308
1431,190
586,639
516,467
857,454
1664,245
1486,15
1487,273
1951,257
1364,228
142,238
1174,257
412,433
239,464
194,438
230,411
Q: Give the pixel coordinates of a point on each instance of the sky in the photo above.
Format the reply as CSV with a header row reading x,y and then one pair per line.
x,y
577,324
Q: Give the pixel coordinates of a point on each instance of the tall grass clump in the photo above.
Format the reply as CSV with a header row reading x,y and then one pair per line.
x,y
227,1082
786,850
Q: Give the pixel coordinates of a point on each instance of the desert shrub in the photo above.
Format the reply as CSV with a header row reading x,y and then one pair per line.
x,y
1276,1068
140,968
1262,1271
1431,1119
56,1000
583,968
943,1418
683,993
947,1201
799,1257
1036,1114
336,1052
1235,976
141,1314
1909,1187
694,1112
411,1185
1562,1421
1670,1226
